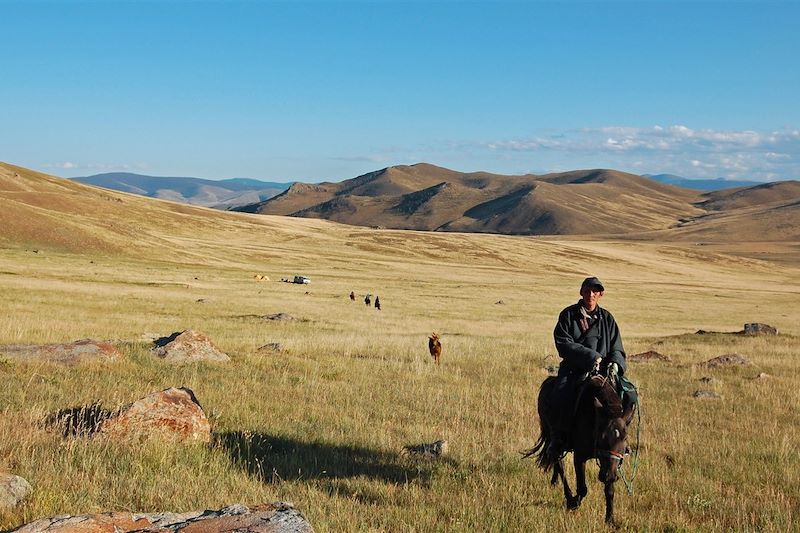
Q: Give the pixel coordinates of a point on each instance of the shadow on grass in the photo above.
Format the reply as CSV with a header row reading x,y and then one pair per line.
x,y
274,459
78,421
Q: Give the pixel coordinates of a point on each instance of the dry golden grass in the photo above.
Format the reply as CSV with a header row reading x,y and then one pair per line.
x,y
322,423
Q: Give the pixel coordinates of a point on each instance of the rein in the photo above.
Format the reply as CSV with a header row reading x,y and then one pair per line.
x,y
615,456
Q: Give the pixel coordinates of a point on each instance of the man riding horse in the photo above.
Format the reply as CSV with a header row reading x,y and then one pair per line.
x,y
587,339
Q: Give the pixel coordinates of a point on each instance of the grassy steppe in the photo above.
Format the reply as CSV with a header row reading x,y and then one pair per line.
x,y
321,424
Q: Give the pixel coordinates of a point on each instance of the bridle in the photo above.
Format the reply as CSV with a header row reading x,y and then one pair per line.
x,y
610,454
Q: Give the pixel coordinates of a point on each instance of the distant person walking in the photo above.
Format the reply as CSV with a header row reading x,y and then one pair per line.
x,y
352,296
367,300
377,303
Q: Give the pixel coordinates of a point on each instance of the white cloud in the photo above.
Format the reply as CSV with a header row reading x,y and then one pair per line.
x,y
678,149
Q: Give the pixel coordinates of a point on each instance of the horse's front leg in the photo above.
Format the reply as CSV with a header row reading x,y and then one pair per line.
x,y
609,491
580,479
558,469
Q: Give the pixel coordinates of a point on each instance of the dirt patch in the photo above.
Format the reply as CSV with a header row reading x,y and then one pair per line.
x,y
650,355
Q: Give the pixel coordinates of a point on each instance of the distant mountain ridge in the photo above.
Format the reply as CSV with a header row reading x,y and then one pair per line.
x,y
709,184
580,202
219,194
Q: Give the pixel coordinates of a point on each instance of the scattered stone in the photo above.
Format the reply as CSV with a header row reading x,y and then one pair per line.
x,y
650,355
708,380
201,300
434,449
279,317
552,369
499,302
756,328
172,413
82,351
188,346
271,347
762,375
278,517
706,394
730,359
13,489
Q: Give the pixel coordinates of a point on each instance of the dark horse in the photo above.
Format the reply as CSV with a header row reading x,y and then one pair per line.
x,y
599,430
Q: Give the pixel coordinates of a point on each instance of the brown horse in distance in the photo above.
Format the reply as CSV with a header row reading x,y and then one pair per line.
x,y
435,347
599,431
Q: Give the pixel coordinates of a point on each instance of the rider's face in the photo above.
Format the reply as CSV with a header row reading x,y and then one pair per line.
x,y
591,297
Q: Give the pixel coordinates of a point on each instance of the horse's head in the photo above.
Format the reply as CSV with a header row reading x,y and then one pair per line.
x,y
611,441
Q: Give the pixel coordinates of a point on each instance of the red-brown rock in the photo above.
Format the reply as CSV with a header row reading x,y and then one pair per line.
x,y
172,413
81,351
188,346
268,518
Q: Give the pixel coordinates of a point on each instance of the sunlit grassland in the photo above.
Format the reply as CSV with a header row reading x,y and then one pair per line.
x,y
321,423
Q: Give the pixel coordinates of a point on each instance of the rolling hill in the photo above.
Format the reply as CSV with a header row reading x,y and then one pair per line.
x,y
426,197
219,194
581,202
41,210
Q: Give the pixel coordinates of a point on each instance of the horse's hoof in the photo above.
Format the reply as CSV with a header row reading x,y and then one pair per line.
x,y
573,503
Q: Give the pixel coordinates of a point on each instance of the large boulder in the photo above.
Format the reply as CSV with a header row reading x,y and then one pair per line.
x,y
173,413
81,351
278,517
757,328
13,489
188,346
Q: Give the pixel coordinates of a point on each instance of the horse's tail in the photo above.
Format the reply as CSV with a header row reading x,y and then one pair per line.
x,y
539,449
538,452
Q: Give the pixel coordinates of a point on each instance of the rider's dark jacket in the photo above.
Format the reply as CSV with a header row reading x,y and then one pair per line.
x,y
581,340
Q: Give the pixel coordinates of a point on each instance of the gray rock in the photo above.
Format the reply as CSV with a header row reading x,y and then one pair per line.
x,y
271,347
729,359
434,449
757,328
706,394
13,489
278,517
279,317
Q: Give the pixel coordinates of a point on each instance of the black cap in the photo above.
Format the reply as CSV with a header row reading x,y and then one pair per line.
x,y
592,282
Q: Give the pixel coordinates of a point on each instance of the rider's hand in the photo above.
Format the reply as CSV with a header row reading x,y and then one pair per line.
x,y
613,370
597,364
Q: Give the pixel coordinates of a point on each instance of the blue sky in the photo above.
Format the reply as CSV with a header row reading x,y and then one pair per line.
x,y
315,91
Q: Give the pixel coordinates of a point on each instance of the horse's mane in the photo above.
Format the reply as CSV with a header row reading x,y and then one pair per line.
x,y
607,396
